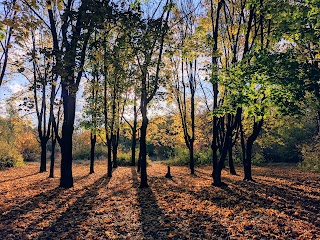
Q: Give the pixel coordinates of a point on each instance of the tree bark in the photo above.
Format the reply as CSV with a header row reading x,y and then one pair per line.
x,y
231,163
52,158
69,102
92,151
248,158
248,161
133,149
143,148
191,149
115,148
43,161
109,158
134,135
139,160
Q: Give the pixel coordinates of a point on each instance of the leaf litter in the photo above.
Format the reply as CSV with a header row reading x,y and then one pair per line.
x,y
282,203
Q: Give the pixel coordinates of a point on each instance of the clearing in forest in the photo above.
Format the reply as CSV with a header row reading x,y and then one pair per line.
x,y
282,203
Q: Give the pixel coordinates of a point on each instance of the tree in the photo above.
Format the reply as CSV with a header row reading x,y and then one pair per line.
x,y
186,62
6,31
76,22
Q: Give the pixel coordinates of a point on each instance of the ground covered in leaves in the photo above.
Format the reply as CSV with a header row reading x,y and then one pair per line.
x,y
283,203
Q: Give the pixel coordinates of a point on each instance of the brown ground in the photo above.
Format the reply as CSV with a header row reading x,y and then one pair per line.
x,y
283,203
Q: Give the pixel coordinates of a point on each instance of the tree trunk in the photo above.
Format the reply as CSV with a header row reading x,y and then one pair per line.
x,y
53,148
115,148
231,163
139,160
134,136
109,158
248,161
92,151
69,107
133,148
43,162
191,157
143,148
114,156
66,180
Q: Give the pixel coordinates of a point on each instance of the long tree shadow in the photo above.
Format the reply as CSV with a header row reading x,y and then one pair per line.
x,y
151,215
251,195
283,199
158,225
8,219
25,176
68,225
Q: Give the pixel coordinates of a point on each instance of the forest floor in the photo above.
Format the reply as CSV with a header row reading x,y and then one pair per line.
x,y
282,203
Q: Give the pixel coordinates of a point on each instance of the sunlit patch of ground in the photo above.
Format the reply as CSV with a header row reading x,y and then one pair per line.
x,y
283,203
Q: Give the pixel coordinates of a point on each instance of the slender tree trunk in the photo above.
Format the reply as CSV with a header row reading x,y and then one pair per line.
x,y
231,163
139,160
115,148
52,157
92,151
216,173
109,143
248,161
143,147
114,154
191,149
134,136
133,148
43,162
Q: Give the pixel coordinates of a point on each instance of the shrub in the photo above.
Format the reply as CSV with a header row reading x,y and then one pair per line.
x,y
124,159
203,157
101,151
28,146
9,156
182,158
311,155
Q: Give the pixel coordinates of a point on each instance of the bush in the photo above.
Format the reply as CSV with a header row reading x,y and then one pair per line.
x,y
101,151
311,155
203,157
81,153
182,158
124,159
9,156
28,146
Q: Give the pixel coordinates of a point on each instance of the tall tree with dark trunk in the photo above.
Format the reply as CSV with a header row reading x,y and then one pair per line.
x,y
215,19
184,71
76,21
42,64
150,45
